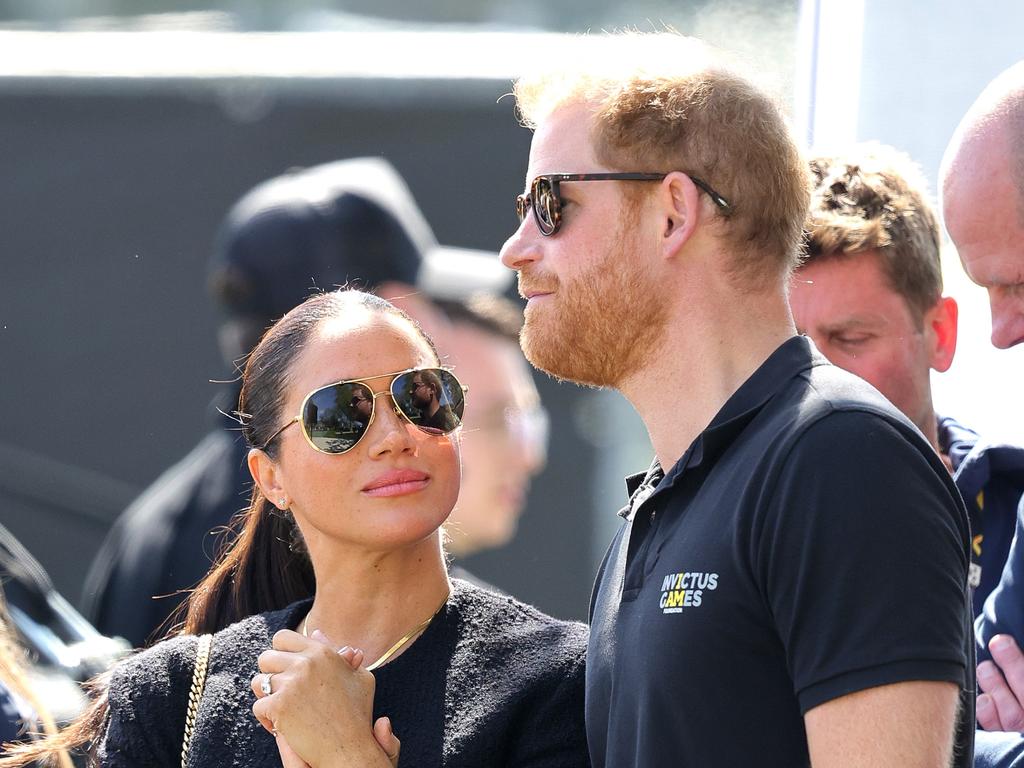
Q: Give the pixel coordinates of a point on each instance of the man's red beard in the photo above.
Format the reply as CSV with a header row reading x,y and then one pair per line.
x,y
597,328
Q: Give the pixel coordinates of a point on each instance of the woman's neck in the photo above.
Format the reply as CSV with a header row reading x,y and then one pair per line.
x,y
371,600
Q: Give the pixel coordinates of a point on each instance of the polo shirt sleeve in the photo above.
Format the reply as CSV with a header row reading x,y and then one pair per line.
x,y
862,554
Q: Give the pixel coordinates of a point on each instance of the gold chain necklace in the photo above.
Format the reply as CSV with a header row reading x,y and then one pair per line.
x,y
401,643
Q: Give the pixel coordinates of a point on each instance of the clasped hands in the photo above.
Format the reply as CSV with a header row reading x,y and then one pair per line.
x,y
320,705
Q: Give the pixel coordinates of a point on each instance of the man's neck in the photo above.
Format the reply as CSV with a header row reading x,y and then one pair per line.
x,y
929,426
706,354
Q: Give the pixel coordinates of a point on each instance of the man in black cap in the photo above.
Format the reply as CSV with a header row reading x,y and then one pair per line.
x,y
352,221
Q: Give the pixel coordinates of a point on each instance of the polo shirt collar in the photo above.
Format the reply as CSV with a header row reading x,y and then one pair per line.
x,y
793,356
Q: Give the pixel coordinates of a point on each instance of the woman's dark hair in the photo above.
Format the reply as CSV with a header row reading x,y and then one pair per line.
x,y
260,569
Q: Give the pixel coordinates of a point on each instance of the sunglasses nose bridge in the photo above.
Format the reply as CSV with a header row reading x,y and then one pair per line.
x,y
393,432
393,405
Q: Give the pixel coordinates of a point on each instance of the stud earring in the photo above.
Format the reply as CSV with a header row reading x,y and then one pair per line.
x,y
283,503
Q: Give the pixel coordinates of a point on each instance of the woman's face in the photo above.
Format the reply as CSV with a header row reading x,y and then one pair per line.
x,y
397,485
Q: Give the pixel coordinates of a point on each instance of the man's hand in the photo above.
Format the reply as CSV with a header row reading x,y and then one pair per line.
x,y
1001,706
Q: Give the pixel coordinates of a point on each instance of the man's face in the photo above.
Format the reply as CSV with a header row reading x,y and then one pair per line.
x,y
983,209
422,394
593,311
845,304
498,457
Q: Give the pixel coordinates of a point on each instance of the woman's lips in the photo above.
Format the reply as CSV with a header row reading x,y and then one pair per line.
x,y
397,482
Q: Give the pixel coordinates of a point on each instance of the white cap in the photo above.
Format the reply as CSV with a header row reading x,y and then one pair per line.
x,y
453,273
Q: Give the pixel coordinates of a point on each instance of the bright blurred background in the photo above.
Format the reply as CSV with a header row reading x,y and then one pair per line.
x,y
127,129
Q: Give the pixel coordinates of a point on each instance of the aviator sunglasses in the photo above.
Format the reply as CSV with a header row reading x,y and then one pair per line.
x,y
335,417
546,203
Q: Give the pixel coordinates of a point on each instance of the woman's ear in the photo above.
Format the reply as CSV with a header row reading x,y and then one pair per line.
x,y
679,211
269,477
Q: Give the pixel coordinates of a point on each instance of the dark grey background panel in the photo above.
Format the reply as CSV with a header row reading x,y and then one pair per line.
x,y
111,192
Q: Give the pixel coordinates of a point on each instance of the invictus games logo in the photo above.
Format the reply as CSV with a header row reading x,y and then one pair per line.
x,y
685,590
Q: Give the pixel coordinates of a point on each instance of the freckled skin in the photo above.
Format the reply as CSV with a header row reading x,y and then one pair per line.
x,y
326,490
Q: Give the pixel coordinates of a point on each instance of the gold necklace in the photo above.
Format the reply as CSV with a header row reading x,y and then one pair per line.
x,y
402,642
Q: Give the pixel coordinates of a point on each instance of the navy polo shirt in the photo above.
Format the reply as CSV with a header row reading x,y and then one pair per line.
x,y
809,544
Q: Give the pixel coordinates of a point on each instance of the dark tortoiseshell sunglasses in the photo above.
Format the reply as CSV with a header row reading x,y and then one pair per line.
x,y
546,203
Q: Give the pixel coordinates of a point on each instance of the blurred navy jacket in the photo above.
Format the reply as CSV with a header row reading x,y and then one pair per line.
x,y
990,477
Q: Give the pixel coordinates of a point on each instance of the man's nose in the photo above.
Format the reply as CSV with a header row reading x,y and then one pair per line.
x,y
1007,316
521,246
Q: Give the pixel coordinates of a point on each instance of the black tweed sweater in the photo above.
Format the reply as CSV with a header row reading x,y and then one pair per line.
x,y
491,682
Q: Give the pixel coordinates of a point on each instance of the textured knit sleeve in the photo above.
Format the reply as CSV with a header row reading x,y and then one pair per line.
x,y
148,696
552,733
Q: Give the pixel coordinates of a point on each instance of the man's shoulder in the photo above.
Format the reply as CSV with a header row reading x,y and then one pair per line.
x,y
825,402
830,389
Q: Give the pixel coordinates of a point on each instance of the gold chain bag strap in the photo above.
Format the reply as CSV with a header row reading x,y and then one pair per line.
x,y
195,694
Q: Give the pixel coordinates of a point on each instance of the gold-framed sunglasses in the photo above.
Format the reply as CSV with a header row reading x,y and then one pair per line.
x,y
335,417
546,202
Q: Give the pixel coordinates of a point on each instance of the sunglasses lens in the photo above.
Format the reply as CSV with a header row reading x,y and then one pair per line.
x,y
545,205
431,398
335,417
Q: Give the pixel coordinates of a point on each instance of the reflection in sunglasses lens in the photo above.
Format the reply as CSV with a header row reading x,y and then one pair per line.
x,y
431,399
335,417
544,204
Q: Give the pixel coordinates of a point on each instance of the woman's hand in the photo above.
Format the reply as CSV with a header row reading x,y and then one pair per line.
x,y
321,702
289,759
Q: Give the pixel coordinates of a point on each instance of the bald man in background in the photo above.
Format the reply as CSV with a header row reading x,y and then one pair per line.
x,y
982,180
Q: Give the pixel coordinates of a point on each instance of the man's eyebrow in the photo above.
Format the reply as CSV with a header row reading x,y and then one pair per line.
x,y
860,322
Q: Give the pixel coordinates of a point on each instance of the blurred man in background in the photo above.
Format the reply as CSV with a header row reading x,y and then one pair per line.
x,y
870,296
505,438
352,221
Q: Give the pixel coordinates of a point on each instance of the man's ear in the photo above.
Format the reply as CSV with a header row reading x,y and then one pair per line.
x,y
679,210
940,325
267,474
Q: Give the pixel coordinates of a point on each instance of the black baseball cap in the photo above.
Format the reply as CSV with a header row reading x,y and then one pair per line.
x,y
349,222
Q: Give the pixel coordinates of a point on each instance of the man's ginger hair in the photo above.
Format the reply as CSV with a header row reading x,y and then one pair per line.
x,y
873,198
663,102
